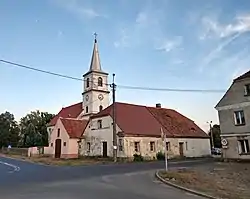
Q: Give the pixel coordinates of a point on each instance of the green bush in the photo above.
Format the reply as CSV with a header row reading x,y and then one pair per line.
x,y
138,158
160,156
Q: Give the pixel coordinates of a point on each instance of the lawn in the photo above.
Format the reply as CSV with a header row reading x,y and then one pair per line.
x,y
223,180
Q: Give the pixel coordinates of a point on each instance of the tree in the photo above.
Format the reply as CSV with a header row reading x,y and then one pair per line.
x,y
33,128
216,135
9,131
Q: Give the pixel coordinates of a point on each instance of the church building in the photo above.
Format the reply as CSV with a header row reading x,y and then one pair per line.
x,y
86,128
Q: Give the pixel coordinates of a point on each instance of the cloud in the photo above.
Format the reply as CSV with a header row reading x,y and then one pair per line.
x,y
240,24
224,33
168,45
123,40
78,8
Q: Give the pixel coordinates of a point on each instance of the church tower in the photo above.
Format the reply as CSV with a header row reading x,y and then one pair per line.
x,y
95,86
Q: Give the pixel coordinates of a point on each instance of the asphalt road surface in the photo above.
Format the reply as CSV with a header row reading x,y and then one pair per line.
x,y
23,180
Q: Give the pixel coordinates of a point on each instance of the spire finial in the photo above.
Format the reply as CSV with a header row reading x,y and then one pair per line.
x,y
95,35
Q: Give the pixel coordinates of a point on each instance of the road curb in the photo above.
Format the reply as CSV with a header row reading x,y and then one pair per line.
x,y
157,175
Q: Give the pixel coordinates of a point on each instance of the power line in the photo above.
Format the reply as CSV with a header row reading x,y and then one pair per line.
x,y
118,86
44,71
171,89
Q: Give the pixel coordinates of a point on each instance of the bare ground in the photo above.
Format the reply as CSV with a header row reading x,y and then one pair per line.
x,y
223,180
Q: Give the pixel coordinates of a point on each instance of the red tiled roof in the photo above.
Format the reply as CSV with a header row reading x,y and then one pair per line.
x,y
147,121
72,111
74,127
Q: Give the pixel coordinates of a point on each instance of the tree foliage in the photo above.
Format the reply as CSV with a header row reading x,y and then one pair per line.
x,y
9,131
216,135
33,128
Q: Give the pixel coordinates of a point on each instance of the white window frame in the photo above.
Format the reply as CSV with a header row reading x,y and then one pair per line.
x,y
88,146
137,146
99,124
153,146
244,151
246,90
238,113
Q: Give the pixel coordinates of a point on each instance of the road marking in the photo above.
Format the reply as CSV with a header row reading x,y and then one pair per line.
x,y
15,168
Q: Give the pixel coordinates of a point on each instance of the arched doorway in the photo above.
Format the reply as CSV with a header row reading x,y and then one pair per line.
x,y
58,148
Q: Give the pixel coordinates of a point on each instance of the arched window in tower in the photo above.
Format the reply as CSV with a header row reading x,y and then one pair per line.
x,y
87,83
99,81
87,109
100,108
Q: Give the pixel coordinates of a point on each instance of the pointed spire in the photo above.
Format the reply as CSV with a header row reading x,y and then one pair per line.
x,y
95,64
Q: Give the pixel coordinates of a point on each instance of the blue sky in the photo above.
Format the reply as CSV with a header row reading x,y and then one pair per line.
x,y
189,44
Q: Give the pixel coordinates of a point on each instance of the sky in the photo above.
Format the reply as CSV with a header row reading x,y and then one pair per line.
x,y
189,44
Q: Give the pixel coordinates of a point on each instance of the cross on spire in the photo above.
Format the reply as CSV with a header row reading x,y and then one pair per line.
x,y
95,35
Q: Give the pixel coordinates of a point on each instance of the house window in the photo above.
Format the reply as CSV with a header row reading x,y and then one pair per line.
x,y
137,146
100,108
88,146
99,124
99,81
51,144
58,132
120,145
168,146
239,118
87,109
152,146
244,146
64,143
87,83
186,146
247,89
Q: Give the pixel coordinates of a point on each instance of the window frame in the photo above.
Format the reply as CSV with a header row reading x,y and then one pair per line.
x,y
120,144
137,146
239,115
152,146
87,82
64,144
168,146
99,124
87,109
100,108
88,146
247,90
100,81
58,132
244,147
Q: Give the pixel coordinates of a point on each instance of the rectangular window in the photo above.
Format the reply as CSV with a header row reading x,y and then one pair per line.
x,y
120,145
88,146
152,146
64,143
186,146
87,109
239,118
247,89
168,146
58,132
99,124
137,146
51,144
244,146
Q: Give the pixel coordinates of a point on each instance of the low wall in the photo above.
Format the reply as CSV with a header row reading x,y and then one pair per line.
x,y
15,151
37,151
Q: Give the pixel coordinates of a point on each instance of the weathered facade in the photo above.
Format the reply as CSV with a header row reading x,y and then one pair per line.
x,y
234,116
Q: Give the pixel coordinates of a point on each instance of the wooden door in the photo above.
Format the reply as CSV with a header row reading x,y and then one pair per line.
x,y
58,148
104,149
181,149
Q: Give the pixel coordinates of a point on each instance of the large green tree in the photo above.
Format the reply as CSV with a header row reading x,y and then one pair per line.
x,y
216,135
9,131
33,128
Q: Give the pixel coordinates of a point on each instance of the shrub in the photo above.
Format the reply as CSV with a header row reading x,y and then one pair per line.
x,y
160,156
138,158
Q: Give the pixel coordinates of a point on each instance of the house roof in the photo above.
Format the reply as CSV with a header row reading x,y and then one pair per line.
x,y
72,111
147,121
74,127
243,76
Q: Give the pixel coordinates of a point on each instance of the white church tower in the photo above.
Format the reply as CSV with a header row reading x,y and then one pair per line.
x,y
95,87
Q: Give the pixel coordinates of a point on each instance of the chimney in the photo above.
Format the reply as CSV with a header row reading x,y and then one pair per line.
x,y
158,105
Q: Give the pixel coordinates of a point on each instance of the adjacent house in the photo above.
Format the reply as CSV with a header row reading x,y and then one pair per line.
x,y
139,132
85,128
234,116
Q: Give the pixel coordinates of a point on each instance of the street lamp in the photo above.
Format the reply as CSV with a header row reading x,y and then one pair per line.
x,y
211,133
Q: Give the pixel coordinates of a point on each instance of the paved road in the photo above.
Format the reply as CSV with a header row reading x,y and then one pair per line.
x,y
133,181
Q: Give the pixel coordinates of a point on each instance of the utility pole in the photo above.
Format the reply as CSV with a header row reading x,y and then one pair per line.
x,y
114,121
165,148
211,133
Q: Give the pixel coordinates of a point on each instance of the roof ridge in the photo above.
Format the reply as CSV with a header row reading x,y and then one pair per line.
x,y
72,105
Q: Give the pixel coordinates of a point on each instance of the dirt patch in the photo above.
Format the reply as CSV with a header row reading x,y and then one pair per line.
x,y
223,180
